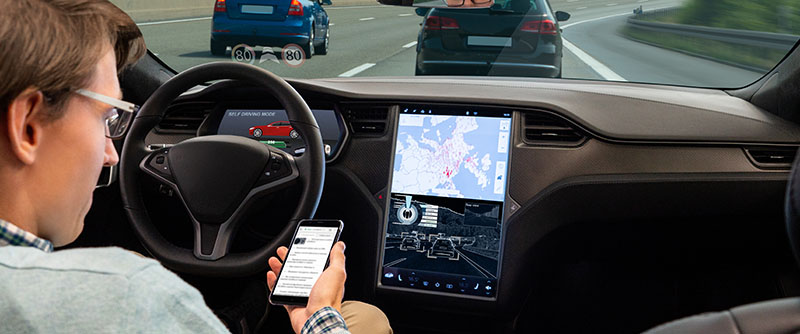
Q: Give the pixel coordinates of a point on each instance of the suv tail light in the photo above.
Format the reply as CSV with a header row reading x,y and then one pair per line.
x,y
219,6
440,23
544,27
296,8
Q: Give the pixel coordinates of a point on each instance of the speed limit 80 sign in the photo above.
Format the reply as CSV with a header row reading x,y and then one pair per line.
x,y
243,53
293,55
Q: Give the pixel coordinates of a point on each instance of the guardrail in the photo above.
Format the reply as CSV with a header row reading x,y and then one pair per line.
x,y
736,36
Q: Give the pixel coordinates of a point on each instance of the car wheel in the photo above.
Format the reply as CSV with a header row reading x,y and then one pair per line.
x,y
217,48
257,133
294,134
323,47
309,48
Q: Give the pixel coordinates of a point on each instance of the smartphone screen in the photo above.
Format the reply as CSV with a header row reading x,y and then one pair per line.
x,y
307,258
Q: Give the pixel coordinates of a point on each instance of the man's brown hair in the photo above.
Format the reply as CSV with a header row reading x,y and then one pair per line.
x,y
54,45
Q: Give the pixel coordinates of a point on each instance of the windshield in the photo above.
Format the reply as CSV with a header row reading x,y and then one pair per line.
x,y
702,43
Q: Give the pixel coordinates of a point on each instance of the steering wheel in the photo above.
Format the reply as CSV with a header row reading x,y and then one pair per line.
x,y
219,177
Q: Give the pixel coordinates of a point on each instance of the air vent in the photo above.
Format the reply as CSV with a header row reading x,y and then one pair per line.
x,y
367,120
547,129
780,157
185,117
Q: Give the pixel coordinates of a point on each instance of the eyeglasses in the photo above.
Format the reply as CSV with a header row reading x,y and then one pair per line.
x,y
459,3
119,120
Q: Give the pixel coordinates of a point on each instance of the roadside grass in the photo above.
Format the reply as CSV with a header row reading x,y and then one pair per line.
x,y
776,16
746,56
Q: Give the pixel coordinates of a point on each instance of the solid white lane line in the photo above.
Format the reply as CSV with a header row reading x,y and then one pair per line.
x,y
366,18
353,7
356,70
407,14
410,44
173,21
597,66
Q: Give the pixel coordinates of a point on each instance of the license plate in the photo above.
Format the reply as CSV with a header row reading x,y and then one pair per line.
x,y
489,41
256,9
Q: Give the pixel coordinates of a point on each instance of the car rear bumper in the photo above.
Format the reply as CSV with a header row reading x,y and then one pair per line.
x,y
545,61
463,67
263,33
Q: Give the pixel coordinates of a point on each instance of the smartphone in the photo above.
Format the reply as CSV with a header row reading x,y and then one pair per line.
x,y
308,256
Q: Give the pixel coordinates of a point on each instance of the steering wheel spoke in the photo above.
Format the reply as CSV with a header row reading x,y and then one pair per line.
x,y
212,241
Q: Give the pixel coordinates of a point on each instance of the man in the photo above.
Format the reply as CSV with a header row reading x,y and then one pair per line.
x,y
59,61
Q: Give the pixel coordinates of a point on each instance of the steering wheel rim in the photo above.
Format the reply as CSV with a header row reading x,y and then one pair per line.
x,y
310,167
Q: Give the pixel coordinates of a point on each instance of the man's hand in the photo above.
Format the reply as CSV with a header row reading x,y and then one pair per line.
x,y
327,291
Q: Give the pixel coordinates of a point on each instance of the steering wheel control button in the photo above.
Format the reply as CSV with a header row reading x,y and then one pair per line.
x,y
277,163
159,164
277,167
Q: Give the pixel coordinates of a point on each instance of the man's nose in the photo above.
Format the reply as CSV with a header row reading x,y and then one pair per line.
x,y
111,158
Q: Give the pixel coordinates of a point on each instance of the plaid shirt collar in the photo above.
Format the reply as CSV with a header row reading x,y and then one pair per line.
x,y
11,235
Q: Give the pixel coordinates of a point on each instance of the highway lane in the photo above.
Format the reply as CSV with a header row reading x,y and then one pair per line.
x,y
381,41
354,41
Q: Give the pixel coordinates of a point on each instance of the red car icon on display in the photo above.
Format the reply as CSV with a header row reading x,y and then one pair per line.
x,y
274,129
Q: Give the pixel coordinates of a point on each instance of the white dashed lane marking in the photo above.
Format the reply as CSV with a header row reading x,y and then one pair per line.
x,y
172,21
356,70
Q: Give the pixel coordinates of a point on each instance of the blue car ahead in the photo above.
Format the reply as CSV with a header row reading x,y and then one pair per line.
x,y
273,23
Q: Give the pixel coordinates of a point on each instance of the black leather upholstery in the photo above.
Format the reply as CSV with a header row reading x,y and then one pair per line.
x,y
792,209
773,317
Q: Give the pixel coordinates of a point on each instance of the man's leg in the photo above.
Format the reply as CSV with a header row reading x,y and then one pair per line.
x,y
363,318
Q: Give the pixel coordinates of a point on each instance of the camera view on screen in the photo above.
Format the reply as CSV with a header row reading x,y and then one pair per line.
x,y
445,213
305,261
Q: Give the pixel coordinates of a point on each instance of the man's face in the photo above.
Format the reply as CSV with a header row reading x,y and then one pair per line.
x,y
74,150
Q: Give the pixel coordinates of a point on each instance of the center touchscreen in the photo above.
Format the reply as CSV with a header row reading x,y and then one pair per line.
x,y
444,219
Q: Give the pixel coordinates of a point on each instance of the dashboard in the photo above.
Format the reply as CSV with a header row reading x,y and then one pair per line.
x,y
539,155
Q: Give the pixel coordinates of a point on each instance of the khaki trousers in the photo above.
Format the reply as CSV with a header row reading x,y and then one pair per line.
x,y
363,318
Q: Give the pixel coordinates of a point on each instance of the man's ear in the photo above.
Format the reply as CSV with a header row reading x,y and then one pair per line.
x,y
24,124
